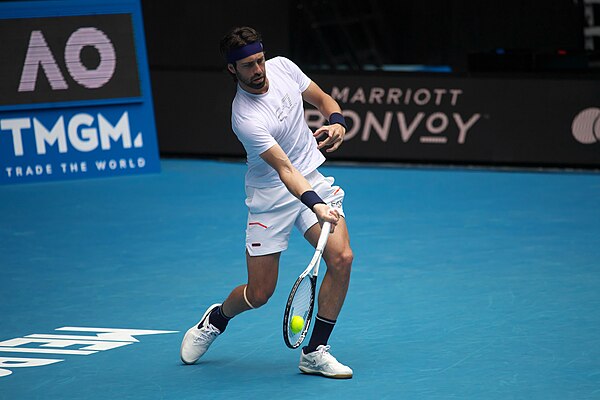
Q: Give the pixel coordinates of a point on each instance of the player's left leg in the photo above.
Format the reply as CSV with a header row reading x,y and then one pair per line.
x,y
315,357
338,256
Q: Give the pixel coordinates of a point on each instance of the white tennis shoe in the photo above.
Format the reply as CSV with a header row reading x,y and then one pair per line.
x,y
321,362
197,340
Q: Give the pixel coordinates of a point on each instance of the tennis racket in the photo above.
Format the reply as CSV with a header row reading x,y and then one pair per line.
x,y
301,301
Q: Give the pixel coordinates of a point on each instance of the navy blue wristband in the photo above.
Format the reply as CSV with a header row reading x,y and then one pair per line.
x,y
310,198
337,118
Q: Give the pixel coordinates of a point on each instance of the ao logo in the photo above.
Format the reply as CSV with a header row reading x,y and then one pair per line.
x,y
39,54
586,126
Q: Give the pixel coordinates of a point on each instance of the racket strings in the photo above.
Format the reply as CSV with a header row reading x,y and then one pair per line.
x,y
301,306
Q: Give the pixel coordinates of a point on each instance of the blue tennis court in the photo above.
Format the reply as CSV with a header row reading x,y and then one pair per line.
x,y
467,284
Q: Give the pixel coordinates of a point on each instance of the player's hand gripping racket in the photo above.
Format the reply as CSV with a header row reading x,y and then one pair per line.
x,y
301,301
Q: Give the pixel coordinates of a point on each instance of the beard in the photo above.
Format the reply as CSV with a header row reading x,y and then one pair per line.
x,y
256,82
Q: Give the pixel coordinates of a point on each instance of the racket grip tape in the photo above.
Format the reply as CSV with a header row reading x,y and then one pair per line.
x,y
324,236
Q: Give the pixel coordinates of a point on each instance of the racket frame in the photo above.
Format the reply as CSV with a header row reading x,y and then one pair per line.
x,y
314,267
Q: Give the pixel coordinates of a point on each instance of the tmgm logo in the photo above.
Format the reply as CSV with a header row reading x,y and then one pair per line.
x,y
81,131
586,126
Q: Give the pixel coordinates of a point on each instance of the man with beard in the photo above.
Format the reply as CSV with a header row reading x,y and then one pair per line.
x,y
284,189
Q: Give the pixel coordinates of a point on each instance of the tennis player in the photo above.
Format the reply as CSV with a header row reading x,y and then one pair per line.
x,y
284,189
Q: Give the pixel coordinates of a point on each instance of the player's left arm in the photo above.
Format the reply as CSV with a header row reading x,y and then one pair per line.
x,y
327,106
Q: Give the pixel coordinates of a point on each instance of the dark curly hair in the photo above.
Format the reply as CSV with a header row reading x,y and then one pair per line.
x,y
238,37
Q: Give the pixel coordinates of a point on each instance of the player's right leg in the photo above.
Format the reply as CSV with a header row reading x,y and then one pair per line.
x,y
271,216
262,279
199,338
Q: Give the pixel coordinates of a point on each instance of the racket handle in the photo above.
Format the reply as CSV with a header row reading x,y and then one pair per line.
x,y
324,236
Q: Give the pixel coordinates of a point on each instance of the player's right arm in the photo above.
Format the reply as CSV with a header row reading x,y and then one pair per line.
x,y
295,182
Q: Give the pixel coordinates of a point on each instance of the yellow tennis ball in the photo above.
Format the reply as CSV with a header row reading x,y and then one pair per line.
x,y
296,324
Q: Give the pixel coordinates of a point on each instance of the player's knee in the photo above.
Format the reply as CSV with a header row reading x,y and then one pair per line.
x,y
258,297
342,261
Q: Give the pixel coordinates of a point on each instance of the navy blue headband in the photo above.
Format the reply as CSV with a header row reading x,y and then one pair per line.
x,y
242,52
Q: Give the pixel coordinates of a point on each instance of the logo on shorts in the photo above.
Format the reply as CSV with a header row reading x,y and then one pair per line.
x,y
336,204
255,223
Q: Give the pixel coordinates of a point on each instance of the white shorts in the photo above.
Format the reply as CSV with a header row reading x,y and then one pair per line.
x,y
273,211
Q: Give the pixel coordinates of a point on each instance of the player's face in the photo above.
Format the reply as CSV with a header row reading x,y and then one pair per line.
x,y
251,72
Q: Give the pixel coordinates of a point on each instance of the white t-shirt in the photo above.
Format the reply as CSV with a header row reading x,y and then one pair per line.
x,y
277,116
